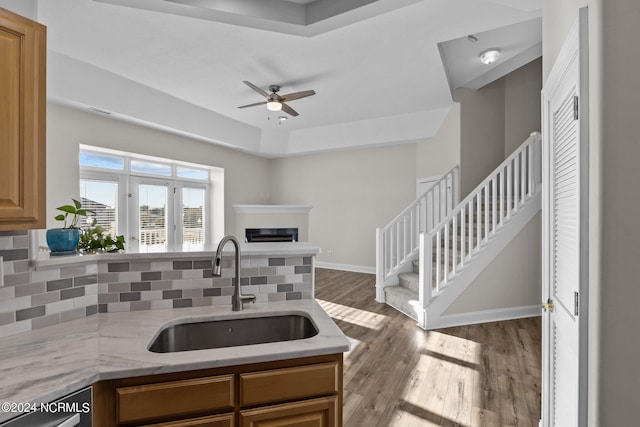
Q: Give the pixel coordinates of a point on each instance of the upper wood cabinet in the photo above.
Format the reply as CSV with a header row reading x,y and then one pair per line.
x,y
22,122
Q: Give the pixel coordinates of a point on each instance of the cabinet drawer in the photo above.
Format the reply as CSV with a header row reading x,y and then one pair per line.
x,y
322,412
225,420
186,397
280,385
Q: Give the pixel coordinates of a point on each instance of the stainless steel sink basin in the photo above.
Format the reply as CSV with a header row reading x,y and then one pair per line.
x,y
232,332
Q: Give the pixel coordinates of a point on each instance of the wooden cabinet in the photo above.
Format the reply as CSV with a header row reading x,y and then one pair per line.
x,y
304,392
22,122
321,412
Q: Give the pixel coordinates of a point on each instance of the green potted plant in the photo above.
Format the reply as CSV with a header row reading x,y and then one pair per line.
x,y
94,239
64,241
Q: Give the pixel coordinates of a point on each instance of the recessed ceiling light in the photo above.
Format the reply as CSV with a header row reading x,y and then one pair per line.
x,y
282,118
489,56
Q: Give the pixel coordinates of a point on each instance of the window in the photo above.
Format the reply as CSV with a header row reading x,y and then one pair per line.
x,y
102,197
193,202
157,204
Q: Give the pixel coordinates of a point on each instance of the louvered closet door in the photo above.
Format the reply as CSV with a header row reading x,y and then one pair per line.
x,y
564,263
563,229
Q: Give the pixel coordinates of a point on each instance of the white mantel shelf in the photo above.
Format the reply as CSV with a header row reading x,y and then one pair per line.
x,y
272,209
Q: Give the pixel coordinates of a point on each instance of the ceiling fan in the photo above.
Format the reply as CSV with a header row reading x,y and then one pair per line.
x,y
276,102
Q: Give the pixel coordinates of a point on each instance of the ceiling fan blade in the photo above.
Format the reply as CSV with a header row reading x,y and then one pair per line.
x,y
256,88
253,105
289,110
297,95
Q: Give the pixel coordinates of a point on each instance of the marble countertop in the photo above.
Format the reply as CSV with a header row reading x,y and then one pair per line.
x,y
44,260
43,365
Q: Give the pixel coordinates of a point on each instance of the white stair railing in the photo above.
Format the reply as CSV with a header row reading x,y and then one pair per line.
x,y
398,242
451,245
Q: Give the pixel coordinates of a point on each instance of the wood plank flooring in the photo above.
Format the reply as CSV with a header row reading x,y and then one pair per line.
x,y
397,375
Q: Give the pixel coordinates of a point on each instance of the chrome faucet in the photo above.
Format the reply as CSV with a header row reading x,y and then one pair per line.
x,y
238,299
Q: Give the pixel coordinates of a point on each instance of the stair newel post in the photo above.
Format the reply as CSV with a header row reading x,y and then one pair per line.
x,y
425,273
379,265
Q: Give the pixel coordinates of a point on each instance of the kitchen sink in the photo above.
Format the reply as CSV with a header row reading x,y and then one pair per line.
x,y
232,332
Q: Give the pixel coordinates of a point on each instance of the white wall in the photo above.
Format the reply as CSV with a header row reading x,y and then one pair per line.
x,y
246,176
439,154
352,193
557,18
27,8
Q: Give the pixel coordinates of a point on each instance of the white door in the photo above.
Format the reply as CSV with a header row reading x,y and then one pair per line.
x,y
423,184
564,234
152,215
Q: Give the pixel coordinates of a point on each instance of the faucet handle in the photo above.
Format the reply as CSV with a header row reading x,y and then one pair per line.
x,y
248,297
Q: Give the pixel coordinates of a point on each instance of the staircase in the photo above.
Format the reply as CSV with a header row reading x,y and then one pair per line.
x,y
455,241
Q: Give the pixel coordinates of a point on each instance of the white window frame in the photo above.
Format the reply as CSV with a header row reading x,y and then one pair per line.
x,y
128,221
123,190
206,220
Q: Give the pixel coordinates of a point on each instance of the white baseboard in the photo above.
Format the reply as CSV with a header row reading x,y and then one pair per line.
x,y
346,267
486,316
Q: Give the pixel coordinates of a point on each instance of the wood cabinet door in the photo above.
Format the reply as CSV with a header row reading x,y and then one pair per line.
x,y
322,412
224,420
22,122
175,398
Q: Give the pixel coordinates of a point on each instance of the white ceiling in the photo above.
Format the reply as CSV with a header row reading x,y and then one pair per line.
x,y
376,69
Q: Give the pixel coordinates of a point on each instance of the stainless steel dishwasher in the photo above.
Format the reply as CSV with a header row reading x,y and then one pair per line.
x,y
73,410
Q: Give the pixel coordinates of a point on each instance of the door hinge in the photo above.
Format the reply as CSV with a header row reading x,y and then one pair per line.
x,y
576,103
547,305
576,298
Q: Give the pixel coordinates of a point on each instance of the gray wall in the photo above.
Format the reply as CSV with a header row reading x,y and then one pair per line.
x,y
522,105
511,280
481,133
495,120
614,62
619,152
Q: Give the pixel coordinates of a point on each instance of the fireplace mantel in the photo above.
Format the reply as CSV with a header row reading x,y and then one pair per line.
x,y
272,209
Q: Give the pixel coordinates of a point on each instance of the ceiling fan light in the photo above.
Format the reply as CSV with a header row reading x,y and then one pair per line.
x,y
489,56
273,105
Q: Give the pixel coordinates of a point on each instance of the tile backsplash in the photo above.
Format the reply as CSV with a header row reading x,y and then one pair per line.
x,y
33,299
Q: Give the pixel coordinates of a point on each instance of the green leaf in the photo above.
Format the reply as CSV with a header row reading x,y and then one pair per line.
x,y
67,208
77,203
59,217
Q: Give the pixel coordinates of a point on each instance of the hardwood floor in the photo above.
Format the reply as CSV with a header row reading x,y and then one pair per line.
x,y
397,375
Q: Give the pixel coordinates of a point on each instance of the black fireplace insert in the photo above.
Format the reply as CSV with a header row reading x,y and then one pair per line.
x,y
271,235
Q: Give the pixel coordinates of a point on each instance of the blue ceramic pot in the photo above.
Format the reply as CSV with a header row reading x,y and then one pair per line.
x,y
63,241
